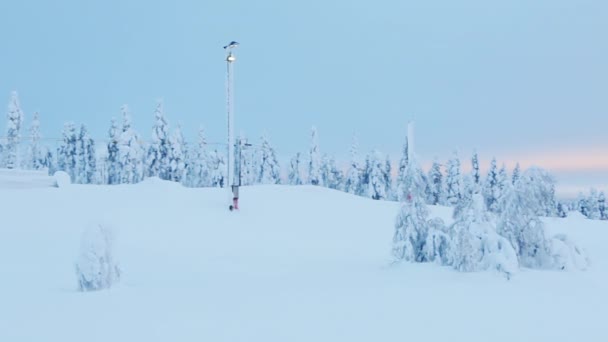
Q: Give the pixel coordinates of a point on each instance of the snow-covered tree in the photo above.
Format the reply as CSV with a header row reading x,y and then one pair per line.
x,y
519,223
269,170
86,160
454,186
217,163
583,205
97,267
411,230
294,177
435,183
377,187
158,151
561,210
504,184
416,238
112,158
516,174
403,163
314,166
67,153
542,186
334,177
490,189
603,210
388,178
352,181
37,154
130,151
13,132
413,183
199,172
593,205
475,169
476,245
177,156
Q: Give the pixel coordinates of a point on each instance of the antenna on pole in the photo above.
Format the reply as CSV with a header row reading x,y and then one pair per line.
x,y
231,185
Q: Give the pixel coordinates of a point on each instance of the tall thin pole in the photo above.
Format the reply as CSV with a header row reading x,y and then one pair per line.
x,y
230,182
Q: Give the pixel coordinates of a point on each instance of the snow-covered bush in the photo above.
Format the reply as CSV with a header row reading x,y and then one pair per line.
x,y
475,244
96,268
519,223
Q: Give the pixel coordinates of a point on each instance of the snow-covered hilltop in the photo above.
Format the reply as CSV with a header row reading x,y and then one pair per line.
x,y
296,263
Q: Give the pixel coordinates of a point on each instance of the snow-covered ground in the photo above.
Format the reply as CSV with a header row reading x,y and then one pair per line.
x,y
294,264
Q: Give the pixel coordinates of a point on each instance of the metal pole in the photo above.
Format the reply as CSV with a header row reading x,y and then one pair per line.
x,y
230,59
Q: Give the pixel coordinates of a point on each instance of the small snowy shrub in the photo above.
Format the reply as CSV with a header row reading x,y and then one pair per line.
x,y
96,268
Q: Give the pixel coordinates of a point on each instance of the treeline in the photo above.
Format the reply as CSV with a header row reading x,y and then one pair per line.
x,y
127,158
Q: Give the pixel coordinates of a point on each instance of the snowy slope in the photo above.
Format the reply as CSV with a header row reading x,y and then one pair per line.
x,y
295,264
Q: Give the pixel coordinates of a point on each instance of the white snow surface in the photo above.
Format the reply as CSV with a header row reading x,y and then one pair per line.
x,y
296,263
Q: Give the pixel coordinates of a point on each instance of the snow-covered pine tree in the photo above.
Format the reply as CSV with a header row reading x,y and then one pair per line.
x,y
199,174
490,188
218,170
36,154
177,156
13,132
435,182
294,177
413,185
453,181
593,205
337,175
583,205
411,229
314,165
130,151
516,174
158,152
377,179
475,169
67,154
352,182
269,170
403,162
519,223
602,206
86,158
112,159
561,210
388,179
476,245
325,170
543,187
332,177
504,184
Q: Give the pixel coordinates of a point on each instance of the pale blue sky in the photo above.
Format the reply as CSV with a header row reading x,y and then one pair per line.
x,y
510,78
